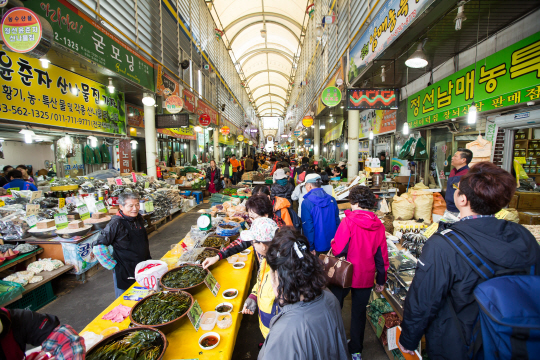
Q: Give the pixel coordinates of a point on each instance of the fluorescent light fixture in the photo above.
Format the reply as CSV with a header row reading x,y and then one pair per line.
x,y
263,33
418,59
44,63
471,118
342,106
148,99
460,17
93,141
371,135
27,135
383,74
67,140
346,146
406,129
200,83
185,146
324,149
134,144
197,129
110,86
333,147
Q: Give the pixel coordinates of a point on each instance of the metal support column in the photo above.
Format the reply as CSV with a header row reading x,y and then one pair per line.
x,y
150,138
352,160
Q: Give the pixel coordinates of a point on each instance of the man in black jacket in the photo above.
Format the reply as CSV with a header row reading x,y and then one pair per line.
x,y
127,235
444,277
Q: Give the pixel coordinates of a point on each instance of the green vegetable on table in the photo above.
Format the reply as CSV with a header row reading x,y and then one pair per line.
x,y
161,308
138,345
184,277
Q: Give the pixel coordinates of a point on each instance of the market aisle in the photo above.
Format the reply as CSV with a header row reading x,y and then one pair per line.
x,y
79,304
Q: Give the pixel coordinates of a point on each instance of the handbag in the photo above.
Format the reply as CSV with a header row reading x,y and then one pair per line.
x,y
338,271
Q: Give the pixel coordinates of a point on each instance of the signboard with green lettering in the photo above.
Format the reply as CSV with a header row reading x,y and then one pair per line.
x,y
78,33
508,77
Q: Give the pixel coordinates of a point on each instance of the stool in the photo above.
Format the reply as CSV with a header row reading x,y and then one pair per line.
x,y
198,196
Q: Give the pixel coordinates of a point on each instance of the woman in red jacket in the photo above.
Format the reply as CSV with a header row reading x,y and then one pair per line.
x,y
361,238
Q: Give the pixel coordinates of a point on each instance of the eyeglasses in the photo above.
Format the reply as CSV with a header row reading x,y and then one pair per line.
x,y
455,186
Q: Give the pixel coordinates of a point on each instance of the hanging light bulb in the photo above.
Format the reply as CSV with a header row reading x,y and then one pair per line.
x,y
185,146
324,149
134,144
44,63
263,33
27,135
319,32
111,86
322,127
333,147
370,135
460,17
93,141
406,129
197,129
418,59
148,99
471,118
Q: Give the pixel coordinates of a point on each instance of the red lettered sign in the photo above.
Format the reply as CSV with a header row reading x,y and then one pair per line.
x,y
204,120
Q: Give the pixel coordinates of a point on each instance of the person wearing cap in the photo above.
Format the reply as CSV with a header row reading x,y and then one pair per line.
x,y
281,187
343,169
320,215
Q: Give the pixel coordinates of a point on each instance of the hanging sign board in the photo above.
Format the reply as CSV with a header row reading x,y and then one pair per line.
x,y
307,121
240,138
331,96
204,120
225,130
124,150
379,99
307,141
21,30
174,104
297,133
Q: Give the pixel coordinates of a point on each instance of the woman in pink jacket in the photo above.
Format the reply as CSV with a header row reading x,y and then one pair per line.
x,y
361,238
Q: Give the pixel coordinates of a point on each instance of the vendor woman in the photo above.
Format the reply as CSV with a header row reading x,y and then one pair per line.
x,y
127,235
213,178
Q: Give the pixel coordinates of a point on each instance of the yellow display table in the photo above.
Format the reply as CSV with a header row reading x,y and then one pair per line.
x,y
183,342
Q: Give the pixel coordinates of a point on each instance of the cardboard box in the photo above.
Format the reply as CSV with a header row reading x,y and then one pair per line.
x,y
529,217
45,224
113,211
73,217
98,215
77,224
528,201
514,202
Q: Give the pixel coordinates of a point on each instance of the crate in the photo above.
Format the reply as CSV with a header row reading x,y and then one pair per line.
x,y
35,299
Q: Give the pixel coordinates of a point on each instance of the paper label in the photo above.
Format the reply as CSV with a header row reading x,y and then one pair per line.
x,y
110,181
148,206
2,203
61,202
119,182
84,213
195,315
134,177
14,189
127,181
146,185
391,336
100,207
61,221
432,229
32,209
212,284
36,195
31,220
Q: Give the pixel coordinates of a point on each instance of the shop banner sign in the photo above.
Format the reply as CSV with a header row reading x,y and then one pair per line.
x,y
204,120
393,18
21,30
307,121
203,108
307,141
508,77
335,81
379,121
80,34
174,104
47,96
333,133
125,156
331,96
378,99
225,140
167,87
187,133
190,101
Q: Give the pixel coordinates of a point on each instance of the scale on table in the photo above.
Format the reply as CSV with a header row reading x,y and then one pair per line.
x,y
204,222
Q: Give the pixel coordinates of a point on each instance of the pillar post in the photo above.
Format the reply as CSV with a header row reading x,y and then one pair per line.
x,y
352,160
150,140
317,139
215,133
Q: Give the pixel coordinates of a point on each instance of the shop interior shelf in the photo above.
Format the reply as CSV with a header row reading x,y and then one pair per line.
x,y
7,264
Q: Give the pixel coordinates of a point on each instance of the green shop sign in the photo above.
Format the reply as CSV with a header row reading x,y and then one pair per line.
x,y
508,77
80,34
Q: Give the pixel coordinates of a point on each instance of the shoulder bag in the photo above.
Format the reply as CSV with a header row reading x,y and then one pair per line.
x,y
338,271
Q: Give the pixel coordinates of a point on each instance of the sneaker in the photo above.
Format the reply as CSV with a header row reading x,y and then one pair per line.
x,y
357,356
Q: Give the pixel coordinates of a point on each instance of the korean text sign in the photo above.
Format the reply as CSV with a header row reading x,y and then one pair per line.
x,y
57,97
508,77
378,121
79,33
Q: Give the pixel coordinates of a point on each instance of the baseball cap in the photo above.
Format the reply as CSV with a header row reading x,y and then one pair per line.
x,y
279,174
341,163
312,178
262,230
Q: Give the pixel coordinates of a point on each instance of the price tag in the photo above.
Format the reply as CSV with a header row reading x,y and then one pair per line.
x,y
61,221
100,207
146,185
119,182
127,181
84,213
12,189
61,202
36,195
32,209
195,315
86,178
148,206
212,283
110,181
391,335
134,177
31,220
2,203
431,230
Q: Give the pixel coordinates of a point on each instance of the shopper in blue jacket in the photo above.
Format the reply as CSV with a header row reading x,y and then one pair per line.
x,y
16,182
320,215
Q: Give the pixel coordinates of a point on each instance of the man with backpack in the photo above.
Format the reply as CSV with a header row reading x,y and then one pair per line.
x,y
454,272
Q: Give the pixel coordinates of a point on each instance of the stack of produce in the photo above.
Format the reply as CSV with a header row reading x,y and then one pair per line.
x,y
162,308
140,344
184,277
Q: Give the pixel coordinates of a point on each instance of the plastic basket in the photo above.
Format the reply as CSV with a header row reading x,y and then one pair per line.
x,y
228,232
35,299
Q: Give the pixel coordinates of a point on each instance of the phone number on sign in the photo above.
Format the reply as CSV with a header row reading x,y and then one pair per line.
x,y
38,114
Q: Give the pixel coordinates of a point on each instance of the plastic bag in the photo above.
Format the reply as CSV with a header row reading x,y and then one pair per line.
x,y
97,155
149,278
439,205
406,148
520,173
105,154
9,291
88,155
402,207
480,148
420,152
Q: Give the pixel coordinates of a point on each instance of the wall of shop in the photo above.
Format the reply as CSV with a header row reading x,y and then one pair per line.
x,y
18,153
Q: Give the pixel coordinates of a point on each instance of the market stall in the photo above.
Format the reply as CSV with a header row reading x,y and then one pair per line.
x,y
184,341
